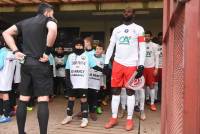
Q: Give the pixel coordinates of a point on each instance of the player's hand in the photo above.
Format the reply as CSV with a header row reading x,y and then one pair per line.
x,y
20,56
44,58
155,73
139,71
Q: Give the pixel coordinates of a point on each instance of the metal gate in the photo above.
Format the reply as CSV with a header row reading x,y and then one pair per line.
x,y
181,73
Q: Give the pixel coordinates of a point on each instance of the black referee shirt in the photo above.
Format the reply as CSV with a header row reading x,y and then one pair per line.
x,y
34,34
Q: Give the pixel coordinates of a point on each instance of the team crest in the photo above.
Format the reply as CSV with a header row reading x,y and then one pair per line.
x,y
101,63
126,30
83,58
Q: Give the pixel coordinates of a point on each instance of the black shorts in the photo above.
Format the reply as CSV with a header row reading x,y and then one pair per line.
x,y
78,93
36,80
4,92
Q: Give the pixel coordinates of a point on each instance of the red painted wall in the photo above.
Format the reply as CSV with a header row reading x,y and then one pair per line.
x,y
181,73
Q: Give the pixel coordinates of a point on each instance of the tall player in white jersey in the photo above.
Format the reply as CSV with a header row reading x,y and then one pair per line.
x,y
151,66
129,41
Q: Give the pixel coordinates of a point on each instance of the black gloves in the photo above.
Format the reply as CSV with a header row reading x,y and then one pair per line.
x,y
139,71
68,81
59,66
106,69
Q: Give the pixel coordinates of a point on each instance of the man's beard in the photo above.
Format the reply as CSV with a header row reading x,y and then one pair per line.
x,y
127,19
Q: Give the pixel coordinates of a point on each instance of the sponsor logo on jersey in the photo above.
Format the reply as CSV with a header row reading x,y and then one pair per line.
x,y
83,57
148,53
125,40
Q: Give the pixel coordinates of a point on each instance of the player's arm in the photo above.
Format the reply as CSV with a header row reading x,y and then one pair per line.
x,y
142,47
142,53
51,37
52,33
156,53
67,74
97,68
110,48
8,36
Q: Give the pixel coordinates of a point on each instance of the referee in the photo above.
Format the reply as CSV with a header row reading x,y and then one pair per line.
x,y
39,34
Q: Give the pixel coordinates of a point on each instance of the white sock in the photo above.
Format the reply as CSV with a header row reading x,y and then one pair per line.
x,y
123,97
115,104
130,106
156,90
142,98
152,95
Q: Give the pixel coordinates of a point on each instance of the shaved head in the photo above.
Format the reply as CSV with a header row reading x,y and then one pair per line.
x,y
129,9
128,14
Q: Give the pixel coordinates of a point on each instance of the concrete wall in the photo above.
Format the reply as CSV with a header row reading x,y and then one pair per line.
x,y
94,26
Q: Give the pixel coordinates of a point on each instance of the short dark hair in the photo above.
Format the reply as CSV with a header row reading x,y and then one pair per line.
x,y
78,41
100,44
148,32
43,7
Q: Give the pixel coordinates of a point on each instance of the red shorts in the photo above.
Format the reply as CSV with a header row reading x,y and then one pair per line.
x,y
149,76
159,75
121,74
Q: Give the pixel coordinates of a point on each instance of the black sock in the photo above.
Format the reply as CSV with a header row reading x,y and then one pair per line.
x,y
43,116
31,102
6,106
21,116
84,109
70,108
1,106
12,98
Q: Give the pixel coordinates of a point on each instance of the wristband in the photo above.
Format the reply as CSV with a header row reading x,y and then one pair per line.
x,y
48,50
14,52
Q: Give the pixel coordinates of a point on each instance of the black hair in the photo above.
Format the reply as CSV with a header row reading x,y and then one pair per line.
x,y
78,41
43,7
148,32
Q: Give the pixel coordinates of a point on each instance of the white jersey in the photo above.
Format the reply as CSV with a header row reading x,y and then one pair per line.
x,y
79,66
60,72
160,64
8,74
95,76
128,40
151,59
